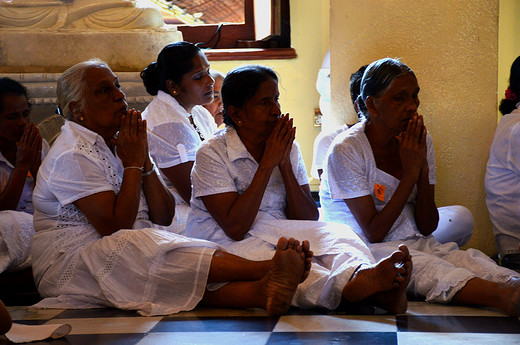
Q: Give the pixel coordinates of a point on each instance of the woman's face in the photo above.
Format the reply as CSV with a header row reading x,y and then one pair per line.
x,y
14,117
104,102
394,109
260,113
196,87
215,107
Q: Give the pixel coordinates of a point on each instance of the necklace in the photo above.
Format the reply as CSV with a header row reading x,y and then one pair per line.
x,y
197,129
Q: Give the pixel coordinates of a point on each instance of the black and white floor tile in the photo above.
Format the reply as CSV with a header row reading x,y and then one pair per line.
x,y
422,324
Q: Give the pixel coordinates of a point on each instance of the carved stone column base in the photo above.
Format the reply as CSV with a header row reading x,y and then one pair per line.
x,y
52,51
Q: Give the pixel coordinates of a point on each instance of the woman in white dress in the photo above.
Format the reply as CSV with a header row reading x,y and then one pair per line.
x,y
503,174
380,179
177,121
250,186
21,149
97,199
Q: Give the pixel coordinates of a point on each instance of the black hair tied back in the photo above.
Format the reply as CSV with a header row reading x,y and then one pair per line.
x,y
150,77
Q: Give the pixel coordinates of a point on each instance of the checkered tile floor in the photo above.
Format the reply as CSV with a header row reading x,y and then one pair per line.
x,y
422,324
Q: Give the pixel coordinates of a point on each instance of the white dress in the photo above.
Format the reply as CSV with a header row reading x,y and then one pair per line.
x,y
16,227
173,140
223,165
455,221
153,271
439,270
503,184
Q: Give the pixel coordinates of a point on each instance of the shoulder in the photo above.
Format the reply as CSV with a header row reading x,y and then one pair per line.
x,y
352,137
162,109
216,143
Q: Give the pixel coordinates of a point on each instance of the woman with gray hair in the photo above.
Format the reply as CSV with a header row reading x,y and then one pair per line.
x,y
250,186
97,202
380,179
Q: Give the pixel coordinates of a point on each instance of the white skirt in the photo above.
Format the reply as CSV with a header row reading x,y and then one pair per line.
x,y
16,233
442,270
338,252
152,271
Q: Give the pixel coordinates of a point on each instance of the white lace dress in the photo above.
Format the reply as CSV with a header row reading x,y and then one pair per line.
x,y
223,164
153,271
16,227
439,270
173,140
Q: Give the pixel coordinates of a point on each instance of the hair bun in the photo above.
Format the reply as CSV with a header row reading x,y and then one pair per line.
x,y
150,77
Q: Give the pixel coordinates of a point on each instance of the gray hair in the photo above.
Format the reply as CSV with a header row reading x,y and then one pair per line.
x,y
72,85
378,76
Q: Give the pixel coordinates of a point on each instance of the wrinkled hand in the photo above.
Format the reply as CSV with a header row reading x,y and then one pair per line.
x,y
279,143
131,143
412,147
286,161
29,149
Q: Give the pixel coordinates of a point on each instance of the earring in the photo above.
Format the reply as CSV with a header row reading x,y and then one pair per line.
x,y
239,122
81,118
174,93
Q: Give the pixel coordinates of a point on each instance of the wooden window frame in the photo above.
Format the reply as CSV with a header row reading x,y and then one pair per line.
x,y
237,41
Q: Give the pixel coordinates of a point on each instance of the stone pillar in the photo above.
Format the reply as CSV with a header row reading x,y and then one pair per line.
x,y
40,39
452,47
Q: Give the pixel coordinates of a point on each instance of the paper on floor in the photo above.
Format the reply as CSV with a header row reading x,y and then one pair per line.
x,y
26,333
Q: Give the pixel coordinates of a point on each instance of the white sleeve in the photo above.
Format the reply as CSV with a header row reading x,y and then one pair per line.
x,y
210,174
430,156
300,171
513,150
74,176
346,171
173,143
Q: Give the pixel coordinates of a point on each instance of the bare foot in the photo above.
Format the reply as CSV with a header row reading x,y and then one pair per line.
x,y
395,300
307,256
514,309
283,279
383,276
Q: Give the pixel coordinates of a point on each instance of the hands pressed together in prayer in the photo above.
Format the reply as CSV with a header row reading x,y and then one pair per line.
x,y
29,150
132,143
278,146
412,148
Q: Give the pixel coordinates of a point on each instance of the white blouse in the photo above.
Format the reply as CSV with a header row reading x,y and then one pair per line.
x,y
78,165
502,183
350,172
172,139
223,165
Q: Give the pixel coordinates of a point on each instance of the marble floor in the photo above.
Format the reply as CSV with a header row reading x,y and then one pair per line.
x,y
422,324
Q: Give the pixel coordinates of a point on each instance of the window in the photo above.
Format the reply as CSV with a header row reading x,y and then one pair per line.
x,y
250,27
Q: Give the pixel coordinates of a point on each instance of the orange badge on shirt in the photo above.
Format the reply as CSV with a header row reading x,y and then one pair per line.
x,y
380,191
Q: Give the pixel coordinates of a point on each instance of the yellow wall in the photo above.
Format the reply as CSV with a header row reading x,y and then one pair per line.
x,y
508,42
298,95
453,47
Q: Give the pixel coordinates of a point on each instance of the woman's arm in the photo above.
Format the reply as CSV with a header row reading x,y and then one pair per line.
x,y
376,225
28,159
161,205
179,176
109,212
300,204
236,213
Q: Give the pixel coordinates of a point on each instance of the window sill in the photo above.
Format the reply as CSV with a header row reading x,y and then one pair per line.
x,y
249,54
